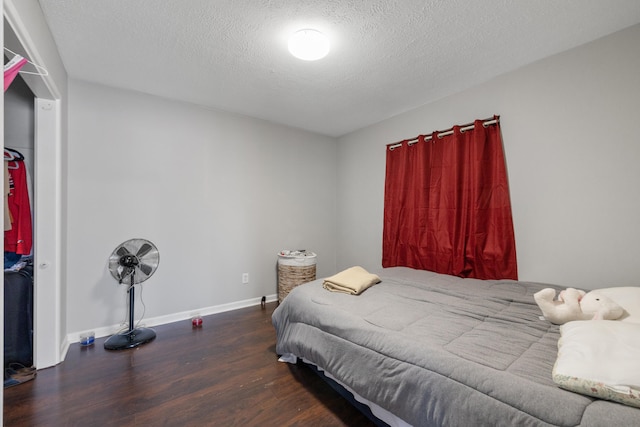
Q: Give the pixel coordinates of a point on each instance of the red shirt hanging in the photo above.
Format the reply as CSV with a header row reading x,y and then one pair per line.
x,y
19,238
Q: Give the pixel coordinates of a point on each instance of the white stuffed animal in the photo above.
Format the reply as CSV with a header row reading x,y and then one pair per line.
x,y
574,304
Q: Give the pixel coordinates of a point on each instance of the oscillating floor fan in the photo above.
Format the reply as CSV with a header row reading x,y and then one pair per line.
x,y
131,263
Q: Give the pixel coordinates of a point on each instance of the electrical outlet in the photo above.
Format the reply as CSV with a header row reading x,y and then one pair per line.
x,y
245,278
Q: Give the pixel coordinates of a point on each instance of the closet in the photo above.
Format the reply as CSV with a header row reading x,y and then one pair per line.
x,y
38,118
19,156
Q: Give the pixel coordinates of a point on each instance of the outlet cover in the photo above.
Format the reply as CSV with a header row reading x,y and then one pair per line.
x,y
245,278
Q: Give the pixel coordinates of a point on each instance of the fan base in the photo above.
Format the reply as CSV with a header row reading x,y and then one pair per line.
x,y
130,339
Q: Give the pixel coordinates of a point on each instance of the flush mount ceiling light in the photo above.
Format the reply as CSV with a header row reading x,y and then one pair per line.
x,y
309,45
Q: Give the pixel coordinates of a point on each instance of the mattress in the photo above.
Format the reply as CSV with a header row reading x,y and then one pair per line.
x,y
438,350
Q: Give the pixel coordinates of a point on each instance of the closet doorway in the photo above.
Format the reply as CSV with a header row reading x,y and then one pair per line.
x,y
49,343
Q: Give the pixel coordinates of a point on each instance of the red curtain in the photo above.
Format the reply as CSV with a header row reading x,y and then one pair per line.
x,y
447,206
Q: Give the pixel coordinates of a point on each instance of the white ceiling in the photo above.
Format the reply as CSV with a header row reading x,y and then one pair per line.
x,y
387,56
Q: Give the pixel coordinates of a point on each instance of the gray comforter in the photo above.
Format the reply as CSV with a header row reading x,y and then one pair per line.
x,y
437,350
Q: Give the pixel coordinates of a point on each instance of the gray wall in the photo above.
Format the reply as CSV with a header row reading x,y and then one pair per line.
x,y
219,194
19,120
569,125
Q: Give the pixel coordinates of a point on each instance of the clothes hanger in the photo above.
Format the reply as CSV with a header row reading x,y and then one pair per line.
x,y
11,159
14,153
41,70
8,156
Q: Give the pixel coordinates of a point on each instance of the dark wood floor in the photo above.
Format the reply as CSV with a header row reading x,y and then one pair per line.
x,y
224,374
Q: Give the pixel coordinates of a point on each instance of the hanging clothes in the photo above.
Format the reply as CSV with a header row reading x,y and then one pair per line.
x,y
11,70
19,239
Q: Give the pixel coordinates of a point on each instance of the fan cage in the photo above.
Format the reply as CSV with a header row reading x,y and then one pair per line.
x,y
147,259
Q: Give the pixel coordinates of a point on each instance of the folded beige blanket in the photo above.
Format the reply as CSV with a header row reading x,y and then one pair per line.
x,y
352,281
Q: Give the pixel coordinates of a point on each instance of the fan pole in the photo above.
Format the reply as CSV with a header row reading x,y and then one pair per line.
x,y
132,298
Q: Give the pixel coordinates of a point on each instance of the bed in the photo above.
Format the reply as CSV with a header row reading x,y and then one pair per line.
x,y
426,349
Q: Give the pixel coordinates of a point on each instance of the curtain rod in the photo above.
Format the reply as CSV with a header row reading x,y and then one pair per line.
x,y
440,134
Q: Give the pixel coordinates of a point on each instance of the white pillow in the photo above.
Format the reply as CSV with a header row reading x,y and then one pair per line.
x,y
626,297
600,358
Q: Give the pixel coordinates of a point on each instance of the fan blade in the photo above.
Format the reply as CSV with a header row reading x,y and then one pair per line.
x,y
146,269
122,251
144,249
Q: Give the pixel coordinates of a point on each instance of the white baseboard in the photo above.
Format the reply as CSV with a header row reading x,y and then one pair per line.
x,y
74,337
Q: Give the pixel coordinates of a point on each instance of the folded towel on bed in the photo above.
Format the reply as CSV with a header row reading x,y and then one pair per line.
x,y
352,281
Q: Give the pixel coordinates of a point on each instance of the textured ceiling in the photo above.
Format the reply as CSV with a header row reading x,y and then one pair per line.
x,y
387,56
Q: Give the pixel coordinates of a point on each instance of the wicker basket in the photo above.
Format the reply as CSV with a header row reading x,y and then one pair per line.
x,y
293,271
